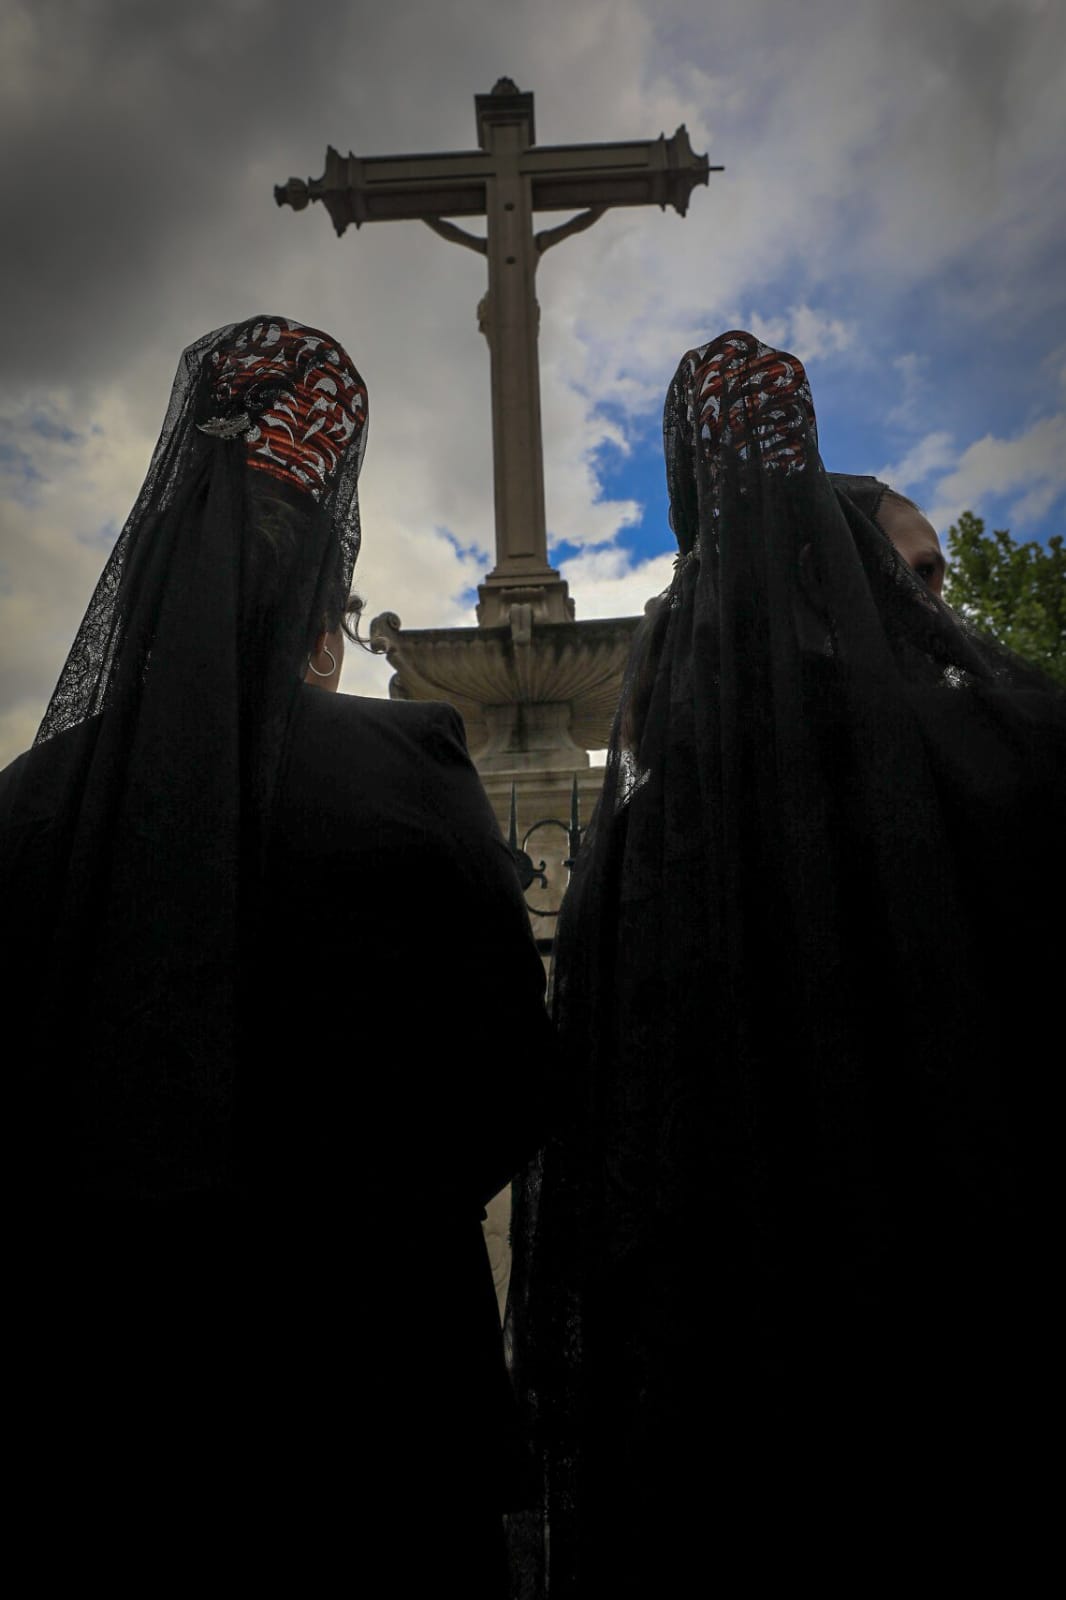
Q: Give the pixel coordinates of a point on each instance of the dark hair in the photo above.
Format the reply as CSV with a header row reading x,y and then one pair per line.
x,y
353,611
279,519
894,494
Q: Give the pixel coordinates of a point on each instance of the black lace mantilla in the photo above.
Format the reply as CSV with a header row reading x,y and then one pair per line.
x,y
170,722
795,1222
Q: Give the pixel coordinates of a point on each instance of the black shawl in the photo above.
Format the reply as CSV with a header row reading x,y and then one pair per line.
x,y
133,831
805,974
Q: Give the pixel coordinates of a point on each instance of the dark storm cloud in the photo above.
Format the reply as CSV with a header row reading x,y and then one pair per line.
x,y
123,127
138,143
891,205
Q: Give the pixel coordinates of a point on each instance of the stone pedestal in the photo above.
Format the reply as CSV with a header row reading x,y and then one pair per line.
x,y
540,588
535,695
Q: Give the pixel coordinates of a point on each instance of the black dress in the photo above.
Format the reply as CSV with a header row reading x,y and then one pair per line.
x,y
316,1346
283,1035
425,1062
780,1295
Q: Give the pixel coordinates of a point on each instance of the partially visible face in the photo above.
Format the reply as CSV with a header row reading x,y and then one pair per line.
x,y
914,538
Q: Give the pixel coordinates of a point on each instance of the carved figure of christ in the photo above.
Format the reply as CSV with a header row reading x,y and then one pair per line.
x,y
506,181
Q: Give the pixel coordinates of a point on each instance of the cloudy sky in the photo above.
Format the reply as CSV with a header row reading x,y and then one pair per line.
x,y
891,210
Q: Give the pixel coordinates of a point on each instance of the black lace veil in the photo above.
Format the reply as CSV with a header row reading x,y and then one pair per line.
x,y
169,722
800,1165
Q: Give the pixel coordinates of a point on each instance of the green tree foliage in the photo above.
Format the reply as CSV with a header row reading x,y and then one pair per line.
x,y
1016,592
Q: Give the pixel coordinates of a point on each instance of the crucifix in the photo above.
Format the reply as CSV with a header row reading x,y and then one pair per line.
x,y
506,180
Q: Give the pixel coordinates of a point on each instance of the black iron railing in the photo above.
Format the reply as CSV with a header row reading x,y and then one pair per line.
x,y
529,874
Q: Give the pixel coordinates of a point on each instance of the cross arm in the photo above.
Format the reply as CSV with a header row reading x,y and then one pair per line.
x,y
658,172
393,188
562,178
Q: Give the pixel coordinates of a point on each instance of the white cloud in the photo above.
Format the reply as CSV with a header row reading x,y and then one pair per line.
x,y
607,583
574,430
83,483
931,454
873,152
63,495
1032,464
809,334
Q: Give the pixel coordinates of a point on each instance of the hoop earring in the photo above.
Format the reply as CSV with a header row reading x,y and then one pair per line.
x,y
325,651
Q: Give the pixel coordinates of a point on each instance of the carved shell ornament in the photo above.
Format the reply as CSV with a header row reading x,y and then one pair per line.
x,y
291,395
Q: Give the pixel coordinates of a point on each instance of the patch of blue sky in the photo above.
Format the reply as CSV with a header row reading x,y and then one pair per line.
x,y
983,383
930,381
21,479
633,472
102,537
468,553
1032,515
46,427
14,460
928,384
560,550
25,453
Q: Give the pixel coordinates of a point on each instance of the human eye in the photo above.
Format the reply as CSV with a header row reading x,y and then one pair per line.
x,y
930,569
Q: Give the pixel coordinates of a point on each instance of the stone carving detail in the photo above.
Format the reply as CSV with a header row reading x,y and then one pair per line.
x,y
526,688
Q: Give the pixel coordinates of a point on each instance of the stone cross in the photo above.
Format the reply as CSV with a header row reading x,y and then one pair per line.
x,y
508,179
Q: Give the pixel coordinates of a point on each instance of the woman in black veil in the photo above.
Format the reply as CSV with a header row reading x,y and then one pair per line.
x,y
255,1317
779,1283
